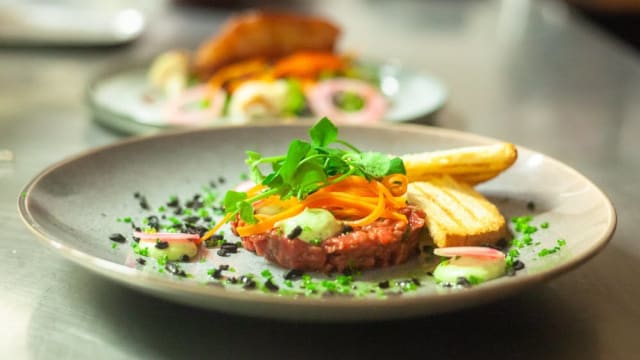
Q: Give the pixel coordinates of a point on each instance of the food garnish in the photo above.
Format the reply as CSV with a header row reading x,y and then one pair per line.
x,y
324,172
326,206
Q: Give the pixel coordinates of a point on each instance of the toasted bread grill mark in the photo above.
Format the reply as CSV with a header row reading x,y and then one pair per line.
x,y
457,215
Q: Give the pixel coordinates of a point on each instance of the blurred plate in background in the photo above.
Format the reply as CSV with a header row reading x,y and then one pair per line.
x,y
123,100
59,24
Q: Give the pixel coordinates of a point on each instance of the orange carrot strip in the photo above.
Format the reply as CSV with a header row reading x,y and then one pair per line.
x,y
396,183
213,230
373,216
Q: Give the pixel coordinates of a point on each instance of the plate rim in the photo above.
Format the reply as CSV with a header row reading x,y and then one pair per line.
x,y
133,278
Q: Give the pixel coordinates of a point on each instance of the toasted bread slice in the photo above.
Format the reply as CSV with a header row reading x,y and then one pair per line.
x,y
456,214
472,164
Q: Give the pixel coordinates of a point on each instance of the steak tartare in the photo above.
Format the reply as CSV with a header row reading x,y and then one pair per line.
x,y
384,242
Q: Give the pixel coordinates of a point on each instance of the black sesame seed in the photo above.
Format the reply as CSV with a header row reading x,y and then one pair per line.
x,y
518,265
511,271
295,233
185,257
223,267
222,252
416,281
153,222
229,247
201,230
502,244
212,184
446,285
531,206
119,238
136,239
429,273
216,274
173,202
141,261
221,180
462,281
232,280
384,284
270,285
144,204
174,269
191,219
347,229
193,204
136,195
293,274
207,219
161,244
248,282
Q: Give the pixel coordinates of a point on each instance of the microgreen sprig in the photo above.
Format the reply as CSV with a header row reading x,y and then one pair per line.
x,y
309,166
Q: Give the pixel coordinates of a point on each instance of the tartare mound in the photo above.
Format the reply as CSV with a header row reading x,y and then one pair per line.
x,y
383,243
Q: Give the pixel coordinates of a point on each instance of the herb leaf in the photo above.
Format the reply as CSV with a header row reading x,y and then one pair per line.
x,y
323,133
253,160
298,149
232,200
396,166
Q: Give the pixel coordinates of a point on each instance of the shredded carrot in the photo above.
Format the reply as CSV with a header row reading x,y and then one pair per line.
x,y
396,183
373,216
355,200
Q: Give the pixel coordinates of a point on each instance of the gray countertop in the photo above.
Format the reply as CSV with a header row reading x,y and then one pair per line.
x,y
530,72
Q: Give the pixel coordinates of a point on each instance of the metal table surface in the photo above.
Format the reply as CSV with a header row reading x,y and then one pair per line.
x,y
530,72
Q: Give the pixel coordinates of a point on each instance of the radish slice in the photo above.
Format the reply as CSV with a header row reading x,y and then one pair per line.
x,y
244,186
472,251
321,101
178,111
165,236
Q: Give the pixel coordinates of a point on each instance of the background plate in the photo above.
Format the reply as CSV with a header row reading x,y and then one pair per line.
x,y
121,99
73,205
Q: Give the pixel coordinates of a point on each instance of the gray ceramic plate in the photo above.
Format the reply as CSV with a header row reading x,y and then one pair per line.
x,y
121,98
73,205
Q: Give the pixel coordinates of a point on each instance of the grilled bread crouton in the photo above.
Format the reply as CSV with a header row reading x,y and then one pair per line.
x,y
456,214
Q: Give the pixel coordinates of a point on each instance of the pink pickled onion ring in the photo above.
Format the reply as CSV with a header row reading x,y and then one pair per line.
x,y
165,236
321,101
472,251
177,114
244,186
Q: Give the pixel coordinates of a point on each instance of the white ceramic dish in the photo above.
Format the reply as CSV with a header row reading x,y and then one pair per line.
x,y
72,206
